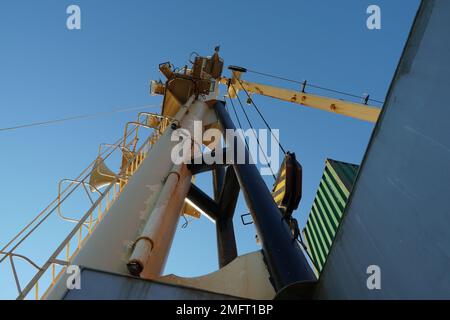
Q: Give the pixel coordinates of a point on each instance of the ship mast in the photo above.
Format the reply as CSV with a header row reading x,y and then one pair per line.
x,y
133,233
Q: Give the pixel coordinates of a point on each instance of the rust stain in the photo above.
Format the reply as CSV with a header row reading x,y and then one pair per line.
x,y
259,90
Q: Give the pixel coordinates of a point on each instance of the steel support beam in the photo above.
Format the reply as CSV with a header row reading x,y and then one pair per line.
x,y
220,210
218,174
286,262
203,201
226,241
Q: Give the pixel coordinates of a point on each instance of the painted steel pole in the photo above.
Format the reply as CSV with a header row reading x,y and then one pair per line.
x,y
153,245
151,248
286,262
110,246
150,239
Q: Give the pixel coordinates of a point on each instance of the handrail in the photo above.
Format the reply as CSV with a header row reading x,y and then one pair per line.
x,y
61,247
58,198
49,213
84,187
53,259
21,257
164,121
51,203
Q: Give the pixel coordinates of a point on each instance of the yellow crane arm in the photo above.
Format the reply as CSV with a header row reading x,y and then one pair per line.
x,y
346,108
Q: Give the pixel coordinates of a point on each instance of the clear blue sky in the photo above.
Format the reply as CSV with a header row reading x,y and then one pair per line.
x,y
47,72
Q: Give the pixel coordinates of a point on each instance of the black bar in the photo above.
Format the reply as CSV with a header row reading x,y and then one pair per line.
x,y
203,167
226,241
218,174
221,210
203,201
286,262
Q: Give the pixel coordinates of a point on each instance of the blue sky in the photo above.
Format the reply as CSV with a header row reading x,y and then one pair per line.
x,y
48,72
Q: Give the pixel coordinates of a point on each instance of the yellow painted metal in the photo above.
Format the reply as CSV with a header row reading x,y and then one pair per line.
x,y
53,273
36,292
233,89
190,211
279,197
279,189
80,237
346,108
281,184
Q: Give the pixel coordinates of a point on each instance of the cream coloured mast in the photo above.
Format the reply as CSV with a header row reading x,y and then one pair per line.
x,y
130,227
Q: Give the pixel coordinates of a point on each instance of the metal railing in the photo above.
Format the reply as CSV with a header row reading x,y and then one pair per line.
x,y
51,271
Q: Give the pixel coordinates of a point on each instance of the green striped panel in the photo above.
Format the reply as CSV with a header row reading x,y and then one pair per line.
x,y
327,209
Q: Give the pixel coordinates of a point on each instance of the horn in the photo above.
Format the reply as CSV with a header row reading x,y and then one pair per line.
x,y
101,175
126,156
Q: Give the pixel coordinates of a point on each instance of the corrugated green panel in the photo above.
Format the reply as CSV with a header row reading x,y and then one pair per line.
x,y
346,171
315,245
328,207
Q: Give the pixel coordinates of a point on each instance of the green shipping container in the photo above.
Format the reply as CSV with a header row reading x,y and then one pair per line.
x,y
327,209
